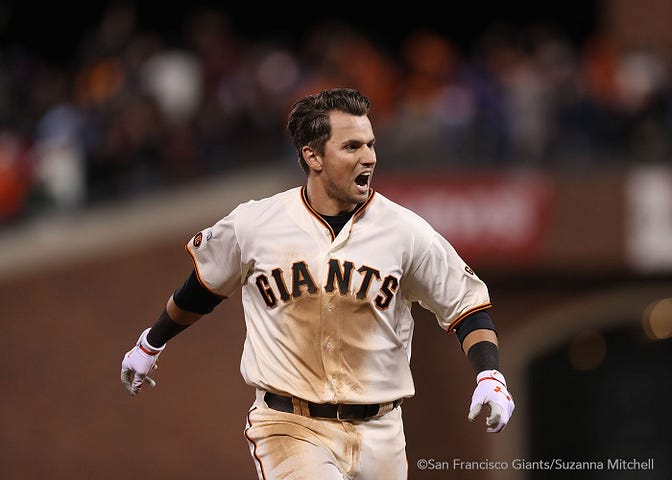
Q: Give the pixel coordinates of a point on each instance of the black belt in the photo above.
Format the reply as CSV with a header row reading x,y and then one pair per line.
x,y
340,411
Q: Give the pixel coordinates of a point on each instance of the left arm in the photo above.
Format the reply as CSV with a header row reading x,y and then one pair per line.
x,y
444,284
481,348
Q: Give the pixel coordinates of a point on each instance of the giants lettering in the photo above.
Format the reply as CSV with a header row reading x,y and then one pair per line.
x,y
339,276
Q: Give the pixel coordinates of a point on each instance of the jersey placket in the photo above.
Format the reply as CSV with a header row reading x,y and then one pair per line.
x,y
330,340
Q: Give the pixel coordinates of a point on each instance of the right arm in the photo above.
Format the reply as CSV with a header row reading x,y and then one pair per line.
x,y
216,274
184,308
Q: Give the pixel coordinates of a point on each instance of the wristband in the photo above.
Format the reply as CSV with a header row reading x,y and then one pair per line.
x,y
163,330
483,355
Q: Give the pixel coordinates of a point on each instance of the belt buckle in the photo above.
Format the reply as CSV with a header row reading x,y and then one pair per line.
x,y
341,417
339,409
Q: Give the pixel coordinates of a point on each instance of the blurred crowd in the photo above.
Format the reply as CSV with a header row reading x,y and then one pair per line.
x,y
134,111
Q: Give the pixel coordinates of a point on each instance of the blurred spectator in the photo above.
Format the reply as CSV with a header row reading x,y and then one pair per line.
x,y
15,177
638,77
433,113
209,34
173,79
60,170
112,34
490,141
129,158
337,54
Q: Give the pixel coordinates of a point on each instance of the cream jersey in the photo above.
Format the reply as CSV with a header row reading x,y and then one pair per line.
x,y
328,317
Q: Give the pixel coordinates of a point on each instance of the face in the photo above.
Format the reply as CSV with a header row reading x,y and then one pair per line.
x,y
340,178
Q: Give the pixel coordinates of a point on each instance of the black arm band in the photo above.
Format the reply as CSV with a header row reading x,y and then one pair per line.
x,y
484,356
163,330
192,296
473,322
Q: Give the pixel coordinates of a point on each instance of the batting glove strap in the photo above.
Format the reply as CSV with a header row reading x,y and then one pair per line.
x,y
145,347
495,375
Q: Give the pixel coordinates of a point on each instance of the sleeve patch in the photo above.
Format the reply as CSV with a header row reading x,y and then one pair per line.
x,y
198,238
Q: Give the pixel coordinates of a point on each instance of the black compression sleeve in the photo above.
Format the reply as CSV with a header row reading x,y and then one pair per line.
x,y
163,330
192,296
484,356
473,322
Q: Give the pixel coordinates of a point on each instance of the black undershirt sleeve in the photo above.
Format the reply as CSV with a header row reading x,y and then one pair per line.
x,y
192,296
475,321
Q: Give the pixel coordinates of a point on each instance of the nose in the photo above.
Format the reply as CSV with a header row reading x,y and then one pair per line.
x,y
368,157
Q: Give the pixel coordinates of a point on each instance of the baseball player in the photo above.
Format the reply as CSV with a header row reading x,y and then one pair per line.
x,y
329,271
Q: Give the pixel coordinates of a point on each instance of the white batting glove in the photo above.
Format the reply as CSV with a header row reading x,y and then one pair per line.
x,y
491,389
138,362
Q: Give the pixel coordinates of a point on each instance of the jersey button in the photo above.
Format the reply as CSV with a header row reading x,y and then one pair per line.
x,y
330,345
331,306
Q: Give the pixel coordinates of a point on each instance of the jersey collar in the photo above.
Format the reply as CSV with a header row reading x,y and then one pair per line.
x,y
360,209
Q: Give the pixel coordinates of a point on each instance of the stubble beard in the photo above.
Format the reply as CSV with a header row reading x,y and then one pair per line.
x,y
347,198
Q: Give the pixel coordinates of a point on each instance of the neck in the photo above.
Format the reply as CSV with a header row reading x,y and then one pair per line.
x,y
324,204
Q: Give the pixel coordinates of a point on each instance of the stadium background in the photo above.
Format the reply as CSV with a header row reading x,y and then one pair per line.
x,y
537,139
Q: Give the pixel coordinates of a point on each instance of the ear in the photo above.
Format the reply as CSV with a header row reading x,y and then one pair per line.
x,y
312,157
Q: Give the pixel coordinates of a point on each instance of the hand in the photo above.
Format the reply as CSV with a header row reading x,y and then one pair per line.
x,y
138,362
491,389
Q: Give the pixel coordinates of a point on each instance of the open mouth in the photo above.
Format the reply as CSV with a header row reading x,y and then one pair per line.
x,y
362,180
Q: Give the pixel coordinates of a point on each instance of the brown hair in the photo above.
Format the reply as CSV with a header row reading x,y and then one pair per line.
x,y
308,122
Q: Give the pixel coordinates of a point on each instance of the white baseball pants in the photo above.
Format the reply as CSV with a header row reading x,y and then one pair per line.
x,y
293,447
